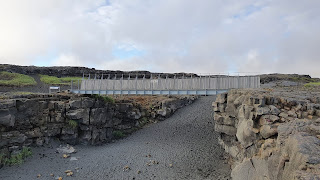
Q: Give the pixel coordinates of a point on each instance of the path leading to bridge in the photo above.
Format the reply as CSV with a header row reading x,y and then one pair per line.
x,y
183,146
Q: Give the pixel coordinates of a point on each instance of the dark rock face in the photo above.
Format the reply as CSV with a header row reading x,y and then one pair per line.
x,y
35,119
63,71
266,78
270,134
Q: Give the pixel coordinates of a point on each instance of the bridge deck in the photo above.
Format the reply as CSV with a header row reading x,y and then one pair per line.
x,y
151,92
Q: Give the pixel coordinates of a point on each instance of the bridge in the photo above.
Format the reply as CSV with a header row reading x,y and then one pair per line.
x,y
201,85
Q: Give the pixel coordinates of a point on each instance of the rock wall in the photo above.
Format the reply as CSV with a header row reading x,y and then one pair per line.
x,y
36,119
270,134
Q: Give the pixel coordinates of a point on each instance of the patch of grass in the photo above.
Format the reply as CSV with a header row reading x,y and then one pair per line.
x,y
73,124
16,79
58,81
106,99
118,134
143,121
2,158
310,84
17,158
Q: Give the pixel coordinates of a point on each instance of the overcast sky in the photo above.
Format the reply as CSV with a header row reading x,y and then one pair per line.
x,y
204,36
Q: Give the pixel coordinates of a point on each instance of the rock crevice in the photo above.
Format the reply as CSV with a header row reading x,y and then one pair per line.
x,y
36,119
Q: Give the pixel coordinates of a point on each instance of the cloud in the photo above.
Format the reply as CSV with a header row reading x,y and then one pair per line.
x,y
67,60
174,36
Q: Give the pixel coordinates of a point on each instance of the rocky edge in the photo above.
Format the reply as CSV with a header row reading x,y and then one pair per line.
x,y
270,135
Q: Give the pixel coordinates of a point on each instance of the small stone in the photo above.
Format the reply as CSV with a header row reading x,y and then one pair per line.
x,y
66,149
70,173
65,155
149,155
310,116
303,167
170,165
126,168
318,136
51,174
138,172
58,178
73,159
39,175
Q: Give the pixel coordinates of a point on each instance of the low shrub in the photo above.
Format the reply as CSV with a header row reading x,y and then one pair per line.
x,y
106,99
17,158
118,134
73,124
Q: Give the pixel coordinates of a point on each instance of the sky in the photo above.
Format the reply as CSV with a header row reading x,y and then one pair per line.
x,y
204,36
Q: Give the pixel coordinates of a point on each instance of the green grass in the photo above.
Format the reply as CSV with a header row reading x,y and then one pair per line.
x,y
118,134
17,158
312,84
58,81
73,123
106,99
15,79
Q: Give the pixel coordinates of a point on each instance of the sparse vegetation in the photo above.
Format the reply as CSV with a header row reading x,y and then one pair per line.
x,y
15,79
17,158
311,84
143,121
118,134
73,124
58,81
106,99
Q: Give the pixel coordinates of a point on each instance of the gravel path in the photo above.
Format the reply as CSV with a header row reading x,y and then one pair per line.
x,y
183,146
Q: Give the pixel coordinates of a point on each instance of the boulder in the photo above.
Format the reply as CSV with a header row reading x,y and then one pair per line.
x,y
7,119
229,130
164,112
222,98
75,104
7,104
100,116
245,133
268,119
223,120
251,169
263,110
267,130
87,102
13,137
36,132
274,110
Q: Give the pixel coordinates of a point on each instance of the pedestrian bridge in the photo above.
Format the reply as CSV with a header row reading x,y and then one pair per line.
x,y
206,85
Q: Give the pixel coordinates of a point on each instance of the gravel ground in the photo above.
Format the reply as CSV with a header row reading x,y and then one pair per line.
x,y
183,146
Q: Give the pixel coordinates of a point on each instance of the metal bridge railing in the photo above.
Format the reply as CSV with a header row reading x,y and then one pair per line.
x,y
161,85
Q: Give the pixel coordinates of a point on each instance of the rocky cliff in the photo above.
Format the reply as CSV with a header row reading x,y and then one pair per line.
x,y
64,71
38,118
270,134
